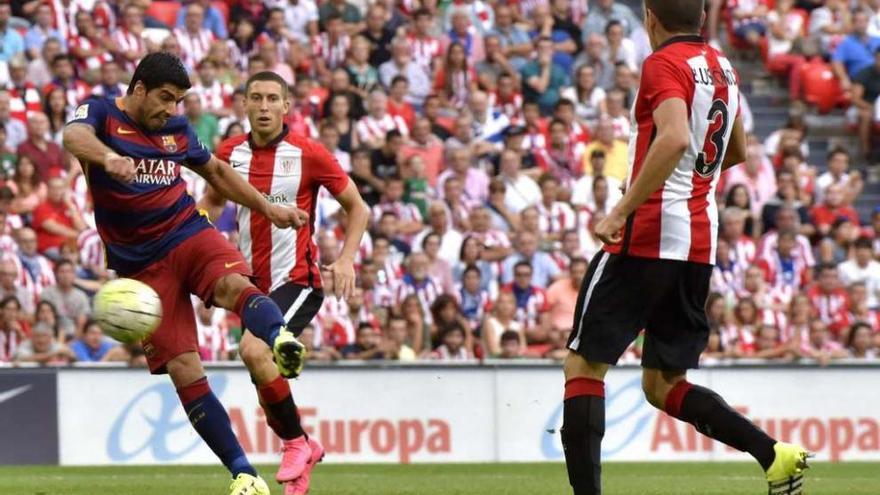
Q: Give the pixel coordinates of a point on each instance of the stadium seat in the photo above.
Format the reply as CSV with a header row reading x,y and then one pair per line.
x,y
164,12
820,87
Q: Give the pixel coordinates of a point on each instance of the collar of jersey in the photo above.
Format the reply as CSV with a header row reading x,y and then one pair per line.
x,y
684,38
270,144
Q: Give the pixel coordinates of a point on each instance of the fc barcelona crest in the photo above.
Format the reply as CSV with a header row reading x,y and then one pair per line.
x,y
169,143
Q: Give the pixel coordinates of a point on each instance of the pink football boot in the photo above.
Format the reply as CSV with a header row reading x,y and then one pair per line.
x,y
300,486
295,455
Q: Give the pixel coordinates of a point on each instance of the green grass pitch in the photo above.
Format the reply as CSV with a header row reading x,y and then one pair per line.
x,y
447,479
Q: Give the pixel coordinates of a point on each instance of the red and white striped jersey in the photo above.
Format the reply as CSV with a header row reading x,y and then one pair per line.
x,y
425,50
92,253
23,101
803,252
831,308
35,285
529,311
193,47
64,16
743,251
215,97
426,291
332,53
558,218
510,106
93,62
9,342
370,128
679,221
405,212
289,170
127,41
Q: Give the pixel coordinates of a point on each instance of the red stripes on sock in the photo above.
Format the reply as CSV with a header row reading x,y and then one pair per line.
x,y
194,390
676,397
275,391
243,298
584,386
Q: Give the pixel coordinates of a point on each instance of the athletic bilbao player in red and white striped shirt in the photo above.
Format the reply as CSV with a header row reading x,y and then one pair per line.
x,y
660,241
287,168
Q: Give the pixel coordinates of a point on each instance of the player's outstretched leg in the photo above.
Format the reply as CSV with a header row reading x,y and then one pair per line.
x,y
712,416
583,423
281,412
209,418
262,317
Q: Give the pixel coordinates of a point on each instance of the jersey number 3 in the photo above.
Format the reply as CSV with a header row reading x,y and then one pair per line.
x,y
713,148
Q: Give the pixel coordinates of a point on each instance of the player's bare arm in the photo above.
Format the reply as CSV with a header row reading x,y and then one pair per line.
x,y
212,203
229,184
80,140
736,148
358,217
671,121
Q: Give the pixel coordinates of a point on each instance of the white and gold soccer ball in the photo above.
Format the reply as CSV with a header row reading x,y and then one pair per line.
x,y
127,310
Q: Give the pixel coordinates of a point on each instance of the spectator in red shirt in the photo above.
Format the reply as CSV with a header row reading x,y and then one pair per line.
x,y
824,215
46,155
397,104
531,302
56,219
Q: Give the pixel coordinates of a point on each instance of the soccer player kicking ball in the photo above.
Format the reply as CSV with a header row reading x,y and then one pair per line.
x,y
131,149
654,270
286,168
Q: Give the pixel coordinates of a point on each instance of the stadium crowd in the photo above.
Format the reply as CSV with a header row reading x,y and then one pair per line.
x,y
487,137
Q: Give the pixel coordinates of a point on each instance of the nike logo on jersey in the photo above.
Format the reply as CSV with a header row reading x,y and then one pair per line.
x,y
236,164
230,265
123,131
10,394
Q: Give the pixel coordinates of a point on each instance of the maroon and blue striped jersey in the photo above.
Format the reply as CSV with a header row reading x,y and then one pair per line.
x,y
140,222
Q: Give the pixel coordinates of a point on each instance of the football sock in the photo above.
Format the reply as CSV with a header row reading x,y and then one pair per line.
x,y
210,420
281,412
714,418
259,314
583,426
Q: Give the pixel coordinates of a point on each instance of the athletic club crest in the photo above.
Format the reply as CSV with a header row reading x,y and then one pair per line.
x,y
169,143
286,166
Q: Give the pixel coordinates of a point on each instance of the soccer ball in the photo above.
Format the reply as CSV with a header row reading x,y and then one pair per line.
x,y
127,310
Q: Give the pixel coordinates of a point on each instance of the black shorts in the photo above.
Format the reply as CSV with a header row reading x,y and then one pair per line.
x,y
621,295
298,303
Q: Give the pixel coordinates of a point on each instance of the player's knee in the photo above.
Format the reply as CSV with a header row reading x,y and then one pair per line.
x,y
185,369
227,290
576,366
654,393
254,352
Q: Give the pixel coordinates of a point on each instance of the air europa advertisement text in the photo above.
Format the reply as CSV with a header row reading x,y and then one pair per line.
x,y
458,415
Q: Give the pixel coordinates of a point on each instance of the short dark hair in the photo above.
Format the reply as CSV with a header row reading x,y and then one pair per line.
x,y
62,263
837,151
863,243
62,57
399,78
678,16
471,268
267,75
522,264
392,134
157,69
509,336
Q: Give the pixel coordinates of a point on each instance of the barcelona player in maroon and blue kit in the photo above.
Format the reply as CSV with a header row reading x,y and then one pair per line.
x,y
131,149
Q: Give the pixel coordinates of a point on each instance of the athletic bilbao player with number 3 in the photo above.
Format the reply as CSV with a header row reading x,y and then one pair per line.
x,y
660,241
289,169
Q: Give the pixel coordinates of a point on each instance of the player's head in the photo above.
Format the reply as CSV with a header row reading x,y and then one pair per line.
x,y
159,83
666,17
266,102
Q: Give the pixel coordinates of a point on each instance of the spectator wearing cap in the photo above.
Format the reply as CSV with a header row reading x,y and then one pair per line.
x,y
46,155
72,303
855,52
863,268
402,64
11,41
91,347
57,219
